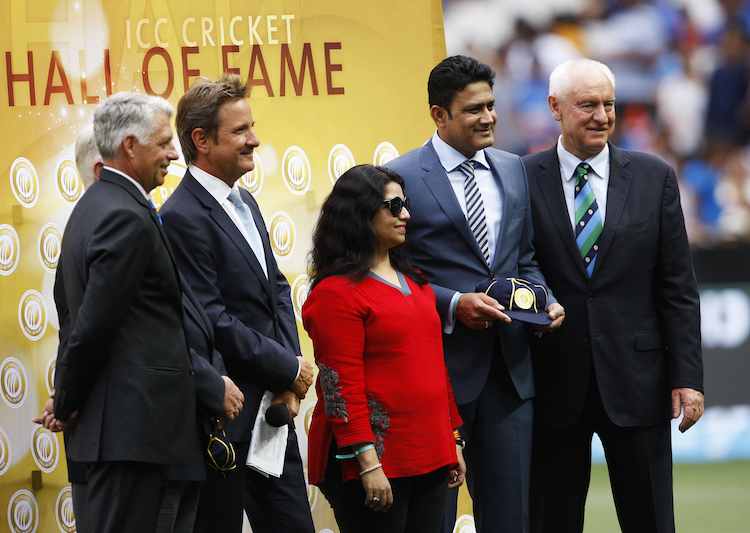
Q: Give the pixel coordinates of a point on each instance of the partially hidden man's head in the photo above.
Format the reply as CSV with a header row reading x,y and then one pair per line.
x,y
215,127
88,160
582,100
133,134
462,103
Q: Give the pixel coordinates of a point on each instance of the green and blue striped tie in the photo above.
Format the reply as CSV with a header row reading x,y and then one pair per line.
x,y
589,222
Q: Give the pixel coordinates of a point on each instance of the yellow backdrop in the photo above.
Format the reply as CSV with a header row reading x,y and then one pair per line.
x,y
334,83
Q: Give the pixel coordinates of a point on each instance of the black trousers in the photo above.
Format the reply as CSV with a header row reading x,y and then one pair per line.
x,y
639,460
418,505
273,505
123,497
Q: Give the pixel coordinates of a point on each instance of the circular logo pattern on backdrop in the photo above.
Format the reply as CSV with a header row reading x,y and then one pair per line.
x,y
253,180
340,159
10,250
465,524
23,512
384,152
50,375
45,449
32,315
283,234
24,182
14,382
295,170
50,244
69,183
300,289
6,456
66,519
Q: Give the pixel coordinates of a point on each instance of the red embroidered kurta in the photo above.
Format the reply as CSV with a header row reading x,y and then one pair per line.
x,y
382,377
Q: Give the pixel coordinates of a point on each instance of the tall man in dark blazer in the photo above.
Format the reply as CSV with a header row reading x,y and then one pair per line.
x,y
487,355
610,239
125,368
222,247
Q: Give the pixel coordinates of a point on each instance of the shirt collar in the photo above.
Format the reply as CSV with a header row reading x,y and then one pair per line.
x,y
451,158
215,187
568,162
131,180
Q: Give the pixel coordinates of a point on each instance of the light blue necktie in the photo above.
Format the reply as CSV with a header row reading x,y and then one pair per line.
x,y
251,230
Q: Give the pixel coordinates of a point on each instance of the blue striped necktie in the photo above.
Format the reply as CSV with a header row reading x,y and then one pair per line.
x,y
475,208
589,222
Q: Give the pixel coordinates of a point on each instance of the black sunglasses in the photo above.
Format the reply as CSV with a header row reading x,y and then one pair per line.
x,y
395,205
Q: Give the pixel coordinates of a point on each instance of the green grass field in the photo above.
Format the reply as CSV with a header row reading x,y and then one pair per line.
x,y
709,498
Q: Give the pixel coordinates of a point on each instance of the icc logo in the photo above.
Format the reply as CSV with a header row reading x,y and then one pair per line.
x,y
283,234
384,152
300,288
64,514
23,512
10,250
253,181
340,159
50,381
69,183
50,244
44,449
14,383
465,524
295,170
24,182
5,454
32,315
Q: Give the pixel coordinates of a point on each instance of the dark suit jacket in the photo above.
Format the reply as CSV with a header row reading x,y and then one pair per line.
x,y
442,245
125,367
636,322
252,316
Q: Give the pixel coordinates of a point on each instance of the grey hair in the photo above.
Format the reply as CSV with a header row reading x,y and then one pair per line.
x,y
125,114
87,155
562,78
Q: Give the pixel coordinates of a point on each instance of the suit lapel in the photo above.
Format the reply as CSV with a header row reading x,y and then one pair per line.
x,y
550,185
196,311
221,218
500,173
436,180
138,197
617,195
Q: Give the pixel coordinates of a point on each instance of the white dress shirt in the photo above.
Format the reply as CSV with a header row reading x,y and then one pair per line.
x,y
600,165
131,180
220,191
450,159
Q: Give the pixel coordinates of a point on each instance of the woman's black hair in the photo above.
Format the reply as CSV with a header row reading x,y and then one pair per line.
x,y
344,241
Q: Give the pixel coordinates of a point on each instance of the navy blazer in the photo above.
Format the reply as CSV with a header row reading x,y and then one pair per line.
x,y
636,322
254,326
442,245
125,365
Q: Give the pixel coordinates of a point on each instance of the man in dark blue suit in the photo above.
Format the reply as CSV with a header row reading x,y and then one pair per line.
x,y
471,222
222,248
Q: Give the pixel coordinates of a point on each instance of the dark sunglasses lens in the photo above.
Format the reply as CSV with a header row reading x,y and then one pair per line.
x,y
395,205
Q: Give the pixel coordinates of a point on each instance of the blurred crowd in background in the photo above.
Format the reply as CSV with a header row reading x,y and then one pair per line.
x,y
682,72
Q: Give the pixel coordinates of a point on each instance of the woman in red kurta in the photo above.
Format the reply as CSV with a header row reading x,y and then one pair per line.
x,y
382,444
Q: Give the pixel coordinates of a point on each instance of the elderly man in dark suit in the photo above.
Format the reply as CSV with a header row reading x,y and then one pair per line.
x,y
125,369
471,223
221,245
610,239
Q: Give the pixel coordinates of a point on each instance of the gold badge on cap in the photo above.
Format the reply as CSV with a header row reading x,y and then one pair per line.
x,y
523,298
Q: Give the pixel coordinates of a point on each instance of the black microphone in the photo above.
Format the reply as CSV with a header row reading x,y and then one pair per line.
x,y
277,415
